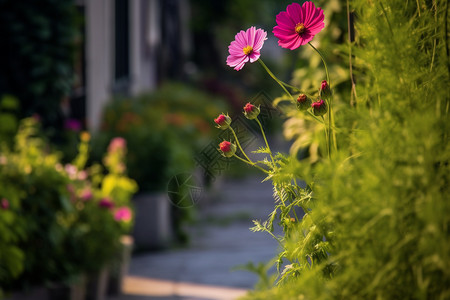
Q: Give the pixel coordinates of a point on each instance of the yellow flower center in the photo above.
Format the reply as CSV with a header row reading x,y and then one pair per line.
x,y
247,50
300,28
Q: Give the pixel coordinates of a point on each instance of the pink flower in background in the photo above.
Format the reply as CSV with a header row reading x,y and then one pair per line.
x,y
71,170
86,194
246,47
116,144
72,124
4,203
123,214
298,25
106,203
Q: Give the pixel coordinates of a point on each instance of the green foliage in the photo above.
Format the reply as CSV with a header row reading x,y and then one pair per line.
x,y
163,129
9,109
376,225
54,226
37,54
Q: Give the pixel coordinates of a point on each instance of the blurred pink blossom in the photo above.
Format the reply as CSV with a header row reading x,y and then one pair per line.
x,y
123,214
116,144
72,124
106,203
4,203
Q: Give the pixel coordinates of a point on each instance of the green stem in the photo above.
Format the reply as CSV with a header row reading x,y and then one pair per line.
x,y
275,78
324,63
331,133
239,145
251,163
265,140
327,137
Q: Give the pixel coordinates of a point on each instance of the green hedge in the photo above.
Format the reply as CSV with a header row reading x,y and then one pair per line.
x,y
382,201
37,55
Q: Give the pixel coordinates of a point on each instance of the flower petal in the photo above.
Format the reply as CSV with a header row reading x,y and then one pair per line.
x,y
311,13
279,31
260,37
241,64
251,36
292,43
254,56
293,11
240,39
283,20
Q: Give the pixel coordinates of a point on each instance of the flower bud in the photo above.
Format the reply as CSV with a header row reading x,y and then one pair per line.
x,y
303,102
223,121
250,111
319,108
324,91
228,149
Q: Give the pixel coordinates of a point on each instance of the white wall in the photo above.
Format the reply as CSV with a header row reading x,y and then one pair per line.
x,y
144,39
99,57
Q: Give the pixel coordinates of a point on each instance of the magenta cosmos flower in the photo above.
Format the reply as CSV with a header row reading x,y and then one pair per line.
x,y
298,25
246,47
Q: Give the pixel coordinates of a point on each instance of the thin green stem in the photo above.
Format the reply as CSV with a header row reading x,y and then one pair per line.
x,y
265,140
275,78
327,137
324,63
239,145
251,163
331,133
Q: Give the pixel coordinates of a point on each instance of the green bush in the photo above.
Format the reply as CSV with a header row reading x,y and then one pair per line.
x,y
381,203
37,55
58,222
164,131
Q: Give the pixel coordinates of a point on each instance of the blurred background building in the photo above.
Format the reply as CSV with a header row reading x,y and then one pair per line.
x,y
126,47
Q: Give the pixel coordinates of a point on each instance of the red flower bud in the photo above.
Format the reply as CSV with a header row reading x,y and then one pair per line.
x,y
319,108
228,149
250,111
324,91
303,102
223,121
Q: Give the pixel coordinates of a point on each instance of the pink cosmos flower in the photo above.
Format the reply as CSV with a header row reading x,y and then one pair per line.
x,y
123,214
298,25
246,47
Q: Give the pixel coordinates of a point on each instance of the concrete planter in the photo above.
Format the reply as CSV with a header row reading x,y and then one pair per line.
x,y
153,223
119,268
97,285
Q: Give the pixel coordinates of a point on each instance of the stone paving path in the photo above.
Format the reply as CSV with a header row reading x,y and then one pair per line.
x,y
220,242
